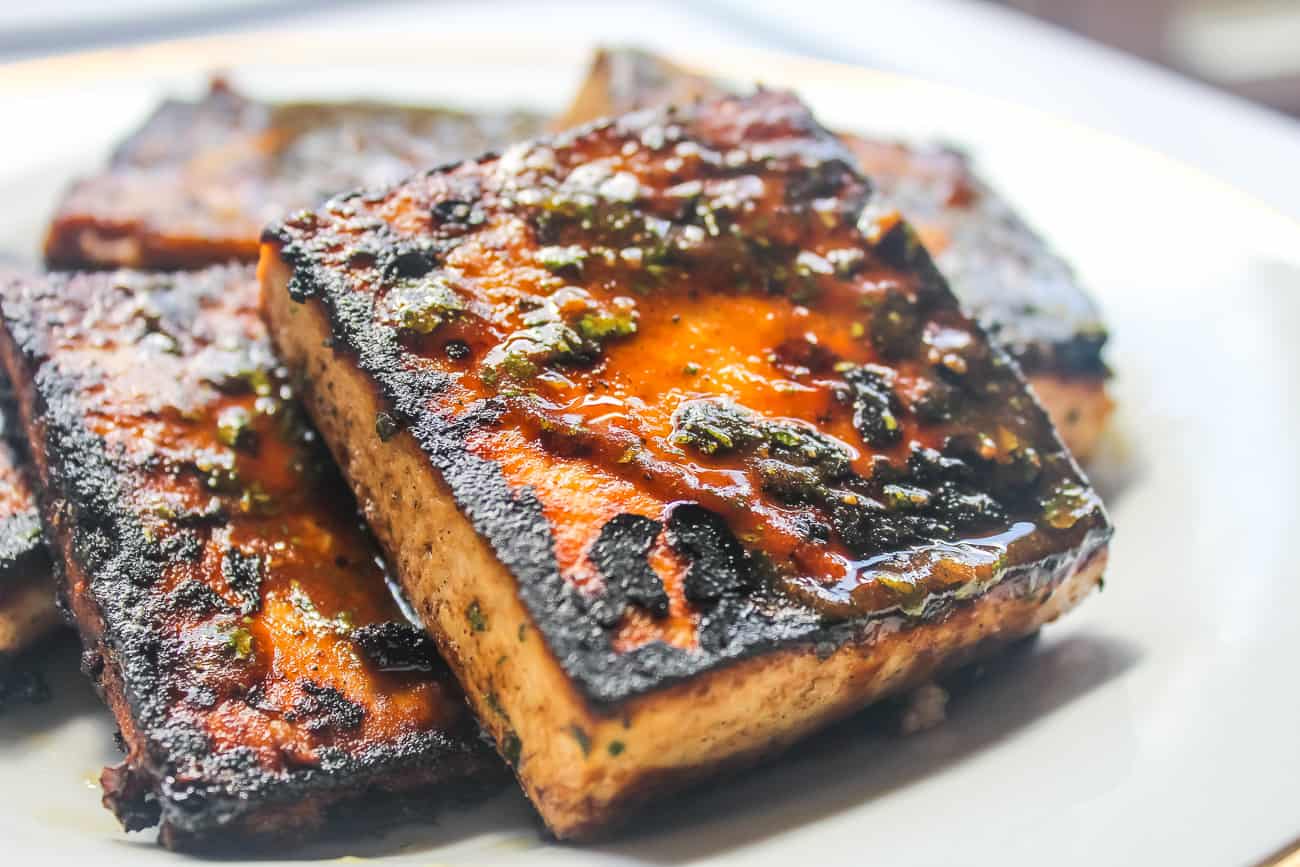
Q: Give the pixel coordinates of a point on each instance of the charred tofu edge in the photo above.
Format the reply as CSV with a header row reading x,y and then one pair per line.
x,y
80,498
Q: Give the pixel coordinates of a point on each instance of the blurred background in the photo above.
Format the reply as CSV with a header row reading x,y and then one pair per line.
x,y
1248,47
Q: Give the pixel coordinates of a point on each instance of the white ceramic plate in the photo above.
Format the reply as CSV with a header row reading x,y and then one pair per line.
x,y
1157,725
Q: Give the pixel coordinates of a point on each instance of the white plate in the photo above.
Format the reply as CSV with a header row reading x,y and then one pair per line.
x,y
1157,725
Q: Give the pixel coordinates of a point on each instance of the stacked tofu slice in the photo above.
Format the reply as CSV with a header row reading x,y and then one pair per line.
x,y
673,433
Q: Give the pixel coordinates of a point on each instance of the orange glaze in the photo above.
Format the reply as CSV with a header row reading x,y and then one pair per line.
x,y
158,402
597,437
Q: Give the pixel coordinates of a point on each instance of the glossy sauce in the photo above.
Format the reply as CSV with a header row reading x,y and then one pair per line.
x,y
266,574
725,254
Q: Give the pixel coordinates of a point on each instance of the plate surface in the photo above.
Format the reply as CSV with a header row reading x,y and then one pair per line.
x,y
1155,725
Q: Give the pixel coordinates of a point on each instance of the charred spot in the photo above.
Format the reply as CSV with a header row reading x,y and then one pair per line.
x,y
94,546
197,597
821,181
875,408
386,426
717,626
129,794
393,646
243,574
323,707
1012,476
181,546
929,466
620,553
456,216
457,350
304,282
409,259
901,248
719,564
212,513
812,529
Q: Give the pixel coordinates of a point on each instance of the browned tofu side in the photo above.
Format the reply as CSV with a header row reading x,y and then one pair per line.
x,y
653,543
587,767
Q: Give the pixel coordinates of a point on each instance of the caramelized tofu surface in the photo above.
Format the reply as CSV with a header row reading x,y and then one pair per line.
x,y
680,447
1026,295
196,184
233,607
27,609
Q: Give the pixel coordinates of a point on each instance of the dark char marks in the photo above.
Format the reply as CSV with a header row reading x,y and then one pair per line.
x,y
176,775
513,522
619,552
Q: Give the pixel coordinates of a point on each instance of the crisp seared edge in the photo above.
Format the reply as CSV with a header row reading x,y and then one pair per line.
x,y
258,808
587,763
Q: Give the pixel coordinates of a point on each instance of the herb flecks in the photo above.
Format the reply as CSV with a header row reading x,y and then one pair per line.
x,y
568,328
477,619
420,305
875,408
239,641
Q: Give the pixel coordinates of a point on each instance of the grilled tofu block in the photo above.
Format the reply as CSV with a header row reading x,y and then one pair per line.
x,y
27,609
1025,294
196,184
679,448
232,607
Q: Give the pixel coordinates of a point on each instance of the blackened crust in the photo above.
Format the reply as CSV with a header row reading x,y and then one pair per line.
x,y
111,573
741,618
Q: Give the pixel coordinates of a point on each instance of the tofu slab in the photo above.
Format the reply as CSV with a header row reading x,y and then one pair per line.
x,y
232,607
27,609
198,181
1026,295
680,448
